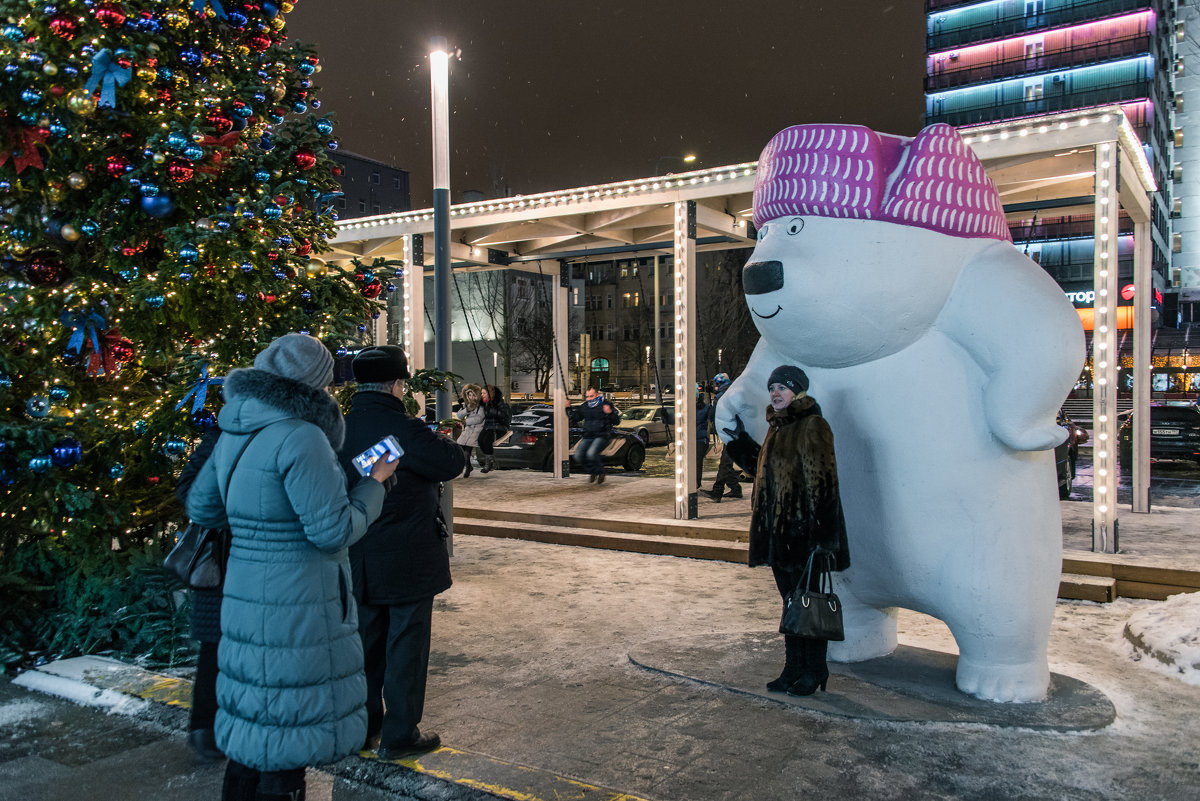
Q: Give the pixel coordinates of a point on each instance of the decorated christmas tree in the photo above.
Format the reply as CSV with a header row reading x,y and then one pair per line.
x,y
165,183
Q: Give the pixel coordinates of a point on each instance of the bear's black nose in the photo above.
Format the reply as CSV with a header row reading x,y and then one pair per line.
x,y
761,277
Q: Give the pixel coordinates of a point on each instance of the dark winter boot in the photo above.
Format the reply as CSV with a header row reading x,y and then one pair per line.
x,y
485,463
715,493
816,671
793,665
240,783
735,491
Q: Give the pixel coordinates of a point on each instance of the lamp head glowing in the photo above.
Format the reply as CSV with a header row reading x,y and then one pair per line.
x,y
439,46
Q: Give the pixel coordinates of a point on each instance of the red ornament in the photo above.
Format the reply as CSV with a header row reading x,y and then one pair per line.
x,y
210,270
110,15
259,41
303,248
122,351
152,479
164,95
180,170
267,297
221,122
336,171
45,268
63,26
304,158
116,165
272,255
134,249
372,289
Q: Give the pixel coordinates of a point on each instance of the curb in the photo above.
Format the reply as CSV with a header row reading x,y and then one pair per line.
x,y
124,689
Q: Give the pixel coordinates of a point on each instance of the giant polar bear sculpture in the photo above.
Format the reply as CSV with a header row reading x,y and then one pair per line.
x,y
939,355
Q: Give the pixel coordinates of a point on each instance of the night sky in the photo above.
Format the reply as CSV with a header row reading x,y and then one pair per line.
x,y
557,94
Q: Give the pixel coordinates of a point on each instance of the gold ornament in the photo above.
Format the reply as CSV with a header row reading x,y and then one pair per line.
x,y
316,268
278,91
204,224
69,233
176,20
81,102
143,96
77,180
147,75
286,8
55,193
242,51
50,68
159,158
17,249
278,23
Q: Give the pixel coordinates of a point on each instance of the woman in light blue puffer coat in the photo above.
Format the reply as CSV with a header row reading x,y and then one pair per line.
x,y
291,690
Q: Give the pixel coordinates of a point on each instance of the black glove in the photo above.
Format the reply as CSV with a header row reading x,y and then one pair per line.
x,y
738,428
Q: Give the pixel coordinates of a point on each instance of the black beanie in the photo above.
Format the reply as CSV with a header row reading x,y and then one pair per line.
x,y
790,376
380,364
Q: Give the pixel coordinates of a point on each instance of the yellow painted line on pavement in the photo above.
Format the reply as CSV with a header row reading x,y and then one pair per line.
x,y
504,779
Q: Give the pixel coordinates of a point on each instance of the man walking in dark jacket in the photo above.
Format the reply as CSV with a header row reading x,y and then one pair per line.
x,y
402,562
597,416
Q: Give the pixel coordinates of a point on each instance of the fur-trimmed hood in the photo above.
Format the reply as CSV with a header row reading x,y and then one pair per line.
x,y
256,398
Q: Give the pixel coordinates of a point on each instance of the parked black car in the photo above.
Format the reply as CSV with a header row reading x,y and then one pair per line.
x,y
531,443
1174,434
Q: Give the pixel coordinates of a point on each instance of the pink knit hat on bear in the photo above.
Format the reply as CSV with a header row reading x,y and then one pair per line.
x,y
933,181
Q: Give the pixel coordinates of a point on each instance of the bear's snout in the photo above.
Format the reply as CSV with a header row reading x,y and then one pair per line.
x,y
761,277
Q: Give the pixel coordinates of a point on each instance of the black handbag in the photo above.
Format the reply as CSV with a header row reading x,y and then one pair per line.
x,y
200,553
815,614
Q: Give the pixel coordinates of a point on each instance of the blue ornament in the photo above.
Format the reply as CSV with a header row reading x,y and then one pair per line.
x,y
188,253
149,190
134,183
304,331
158,206
316,103
204,419
241,296
7,478
66,453
375,315
193,152
58,130
243,111
39,464
59,394
117,470
342,351
284,240
275,118
306,68
299,107
247,267
155,301
398,272
174,447
150,25
139,427
259,97
262,176
265,143
270,8
272,212
333,144
177,141
280,274
185,276
362,328
31,96
37,406
236,19
390,287
13,33
222,225
306,295
5,381
128,275
324,127
165,74
29,118
248,214
191,56
90,227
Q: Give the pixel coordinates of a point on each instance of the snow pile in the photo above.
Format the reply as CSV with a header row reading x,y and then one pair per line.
x,y
15,712
1169,633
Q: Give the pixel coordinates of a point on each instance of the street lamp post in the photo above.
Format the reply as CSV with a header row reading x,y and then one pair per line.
x,y
439,77
495,369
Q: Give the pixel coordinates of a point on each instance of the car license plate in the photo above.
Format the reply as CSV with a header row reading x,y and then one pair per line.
x,y
1172,432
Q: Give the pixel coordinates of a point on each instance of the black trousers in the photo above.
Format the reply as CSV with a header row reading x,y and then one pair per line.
x,y
243,783
701,451
396,651
486,440
204,688
727,474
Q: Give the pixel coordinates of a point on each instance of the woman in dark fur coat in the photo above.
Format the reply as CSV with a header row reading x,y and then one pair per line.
x,y
795,511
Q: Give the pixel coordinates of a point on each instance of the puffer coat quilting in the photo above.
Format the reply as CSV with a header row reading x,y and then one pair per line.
x,y
291,688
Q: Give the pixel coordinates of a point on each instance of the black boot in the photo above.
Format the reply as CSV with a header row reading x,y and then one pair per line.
x,y
735,492
240,783
816,672
793,665
716,492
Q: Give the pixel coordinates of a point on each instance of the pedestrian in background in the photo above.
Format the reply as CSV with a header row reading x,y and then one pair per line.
x,y
726,481
703,420
402,562
206,625
472,415
795,511
597,417
290,688
496,418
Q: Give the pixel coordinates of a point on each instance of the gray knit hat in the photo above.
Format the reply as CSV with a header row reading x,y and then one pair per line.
x,y
298,357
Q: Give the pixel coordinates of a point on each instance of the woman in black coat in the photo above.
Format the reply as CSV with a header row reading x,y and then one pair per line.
x,y
206,625
795,512
496,417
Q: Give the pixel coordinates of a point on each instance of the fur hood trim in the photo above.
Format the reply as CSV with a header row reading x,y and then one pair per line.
x,y
471,405
290,398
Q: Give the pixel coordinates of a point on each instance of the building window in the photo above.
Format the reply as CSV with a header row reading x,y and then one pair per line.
x,y
626,300
1035,7
375,208
1176,243
1034,91
1034,47
610,332
396,183
374,177
362,205
610,300
636,299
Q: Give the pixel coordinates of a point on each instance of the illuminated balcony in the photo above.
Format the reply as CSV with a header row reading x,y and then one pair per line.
x,y
996,19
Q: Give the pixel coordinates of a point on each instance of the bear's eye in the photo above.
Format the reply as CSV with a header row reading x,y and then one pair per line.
x,y
795,226
762,232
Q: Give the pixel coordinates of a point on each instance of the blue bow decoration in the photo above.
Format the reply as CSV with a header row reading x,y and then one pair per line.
x,y
199,390
85,325
198,7
108,75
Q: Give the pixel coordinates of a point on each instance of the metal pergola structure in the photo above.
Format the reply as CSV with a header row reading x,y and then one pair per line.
x,y
678,215
1091,156
1091,161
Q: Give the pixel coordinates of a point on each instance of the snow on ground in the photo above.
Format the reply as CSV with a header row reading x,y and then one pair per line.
x,y
1167,634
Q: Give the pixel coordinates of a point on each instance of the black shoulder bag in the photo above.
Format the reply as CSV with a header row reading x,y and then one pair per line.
x,y
815,614
199,556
